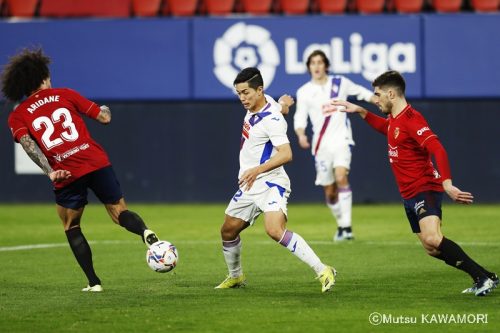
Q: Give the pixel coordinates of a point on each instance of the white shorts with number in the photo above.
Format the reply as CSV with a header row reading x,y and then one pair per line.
x,y
327,161
268,194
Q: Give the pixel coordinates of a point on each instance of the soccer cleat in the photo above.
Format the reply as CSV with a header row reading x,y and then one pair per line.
x,y
97,288
484,286
327,278
473,289
149,237
232,282
343,234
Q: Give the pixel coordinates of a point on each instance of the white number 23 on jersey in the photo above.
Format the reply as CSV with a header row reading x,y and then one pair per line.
x,y
70,133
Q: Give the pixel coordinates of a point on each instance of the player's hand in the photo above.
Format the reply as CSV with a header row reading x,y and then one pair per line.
x,y
59,175
329,108
456,194
304,142
345,106
286,102
248,178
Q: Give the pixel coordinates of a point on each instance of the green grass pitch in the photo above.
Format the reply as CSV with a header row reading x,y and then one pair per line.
x,y
384,270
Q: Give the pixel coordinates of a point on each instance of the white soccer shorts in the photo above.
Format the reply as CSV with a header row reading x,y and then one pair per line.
x,y
327,161
268,194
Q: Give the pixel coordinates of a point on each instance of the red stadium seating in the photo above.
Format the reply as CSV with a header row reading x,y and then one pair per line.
x,y
146,7
332,6
256,7
182,7
294,6
370,6
218,7
21,8
409,6
82,8
447,6
485,5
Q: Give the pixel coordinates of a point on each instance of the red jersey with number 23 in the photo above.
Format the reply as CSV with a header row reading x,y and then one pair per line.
x,y
53,118
407,135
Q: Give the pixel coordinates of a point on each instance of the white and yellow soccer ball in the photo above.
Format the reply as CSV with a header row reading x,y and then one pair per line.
x,y
162,256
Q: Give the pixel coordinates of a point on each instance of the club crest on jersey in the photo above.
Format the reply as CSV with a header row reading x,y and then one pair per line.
x,y
396,132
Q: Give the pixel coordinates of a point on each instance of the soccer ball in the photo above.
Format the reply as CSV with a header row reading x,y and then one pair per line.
x,y
162,257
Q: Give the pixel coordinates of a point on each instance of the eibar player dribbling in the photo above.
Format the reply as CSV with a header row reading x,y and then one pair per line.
x,y
411,143
264,186
49,126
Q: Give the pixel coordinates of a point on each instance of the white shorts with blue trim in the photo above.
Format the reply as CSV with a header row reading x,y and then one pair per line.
x,y
268,194
327,161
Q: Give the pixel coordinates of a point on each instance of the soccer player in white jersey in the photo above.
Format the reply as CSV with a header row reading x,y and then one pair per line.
x,y
332,136
264,186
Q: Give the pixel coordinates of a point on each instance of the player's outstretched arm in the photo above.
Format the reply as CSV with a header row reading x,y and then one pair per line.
x,y
283,155
345,106
35,154
104,116
286,101
456,194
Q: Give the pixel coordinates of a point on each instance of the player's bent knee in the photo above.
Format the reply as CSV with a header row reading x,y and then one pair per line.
x,y
431,243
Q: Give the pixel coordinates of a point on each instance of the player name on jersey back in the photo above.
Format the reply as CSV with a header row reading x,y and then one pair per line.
x,y
49,99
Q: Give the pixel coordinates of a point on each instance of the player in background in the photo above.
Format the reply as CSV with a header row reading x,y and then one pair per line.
x,y
411,143
332,136
49,126
264,186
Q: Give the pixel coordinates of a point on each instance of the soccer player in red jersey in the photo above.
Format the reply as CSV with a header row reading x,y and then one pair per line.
x,y
49,126
411,143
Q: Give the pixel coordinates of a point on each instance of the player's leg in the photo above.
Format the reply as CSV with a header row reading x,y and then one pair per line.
x,y
70,204
239,210
106,187
325,177
341,161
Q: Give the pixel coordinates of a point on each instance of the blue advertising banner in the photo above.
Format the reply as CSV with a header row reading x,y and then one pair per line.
x,y
109,59
360,47
462,55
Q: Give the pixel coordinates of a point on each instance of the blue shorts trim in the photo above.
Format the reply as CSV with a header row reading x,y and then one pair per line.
x,y
423,204
102,182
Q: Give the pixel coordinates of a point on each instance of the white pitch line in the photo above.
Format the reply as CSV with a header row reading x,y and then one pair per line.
x,y
206,242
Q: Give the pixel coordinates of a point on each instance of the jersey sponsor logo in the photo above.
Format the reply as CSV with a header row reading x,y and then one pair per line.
x,y
422,130
61,157
245,45
393,152
396,132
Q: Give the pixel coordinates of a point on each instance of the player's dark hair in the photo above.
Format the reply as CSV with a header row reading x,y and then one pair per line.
x,y
24,73
391,79
322,55
252,76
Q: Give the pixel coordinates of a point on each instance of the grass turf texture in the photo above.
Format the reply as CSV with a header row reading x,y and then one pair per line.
x,y
384,270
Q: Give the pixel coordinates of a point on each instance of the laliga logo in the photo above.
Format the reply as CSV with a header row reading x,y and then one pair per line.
x,y
245,45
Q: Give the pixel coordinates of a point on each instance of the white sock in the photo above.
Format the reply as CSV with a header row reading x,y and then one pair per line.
x,y
336,211
345,200
232,256
298,246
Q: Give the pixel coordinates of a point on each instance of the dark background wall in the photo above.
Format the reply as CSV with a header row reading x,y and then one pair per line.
x,y
188,152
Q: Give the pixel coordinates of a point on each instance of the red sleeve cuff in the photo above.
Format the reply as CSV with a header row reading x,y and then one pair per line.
x,y
93,111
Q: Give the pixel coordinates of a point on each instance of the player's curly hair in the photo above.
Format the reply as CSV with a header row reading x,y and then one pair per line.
x,y
252,76
24,73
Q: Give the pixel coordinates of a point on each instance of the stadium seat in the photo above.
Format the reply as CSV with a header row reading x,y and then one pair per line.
x,y
146,7
182,7
408,6
294,7
370,6
21,8
83,8
332,6
446,6
257,7
218,7
485,5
